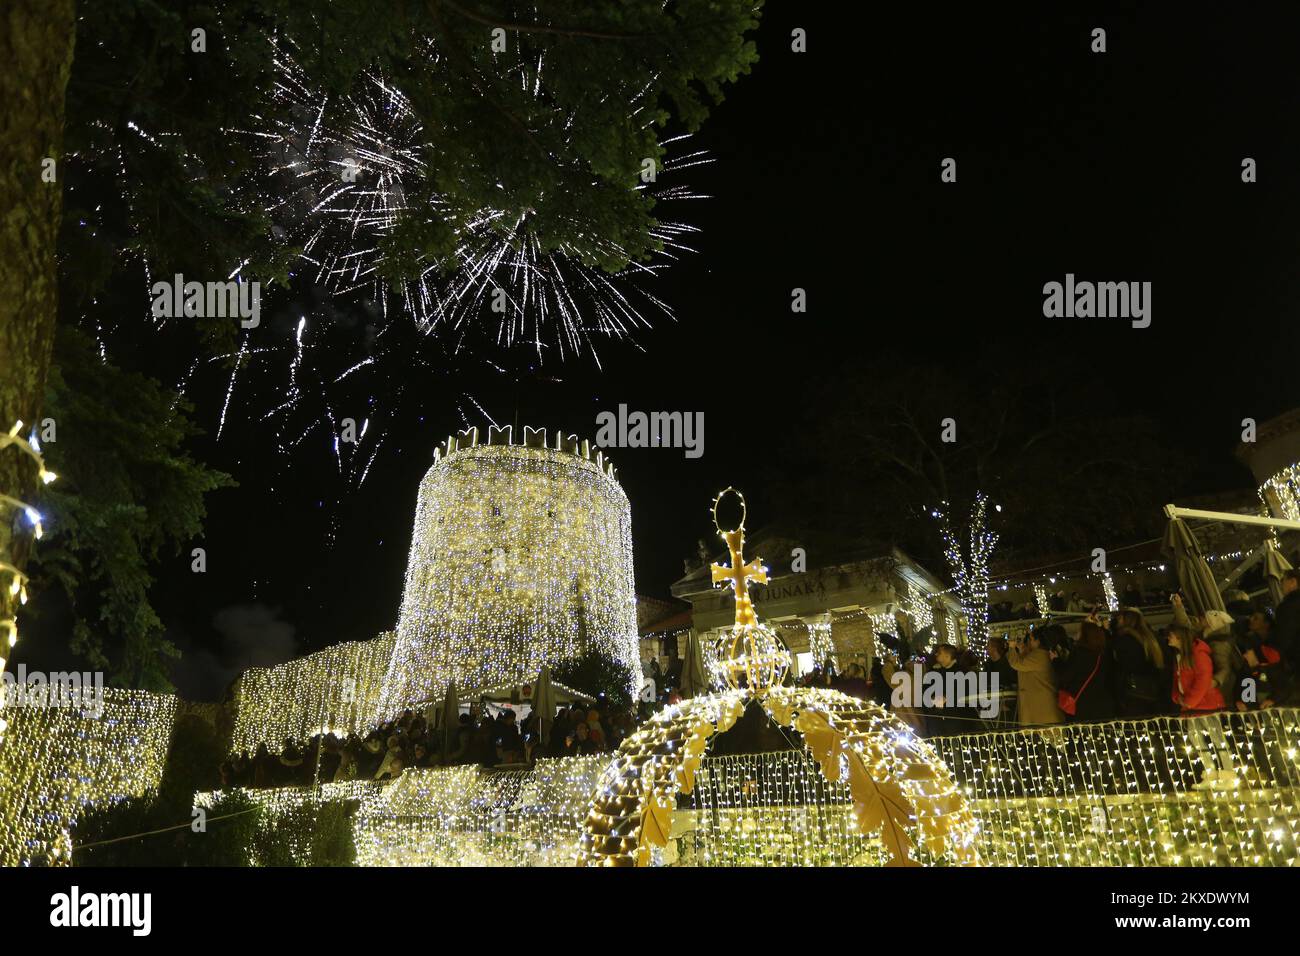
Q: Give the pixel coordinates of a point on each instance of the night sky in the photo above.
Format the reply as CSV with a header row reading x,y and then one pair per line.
x,y
1119,166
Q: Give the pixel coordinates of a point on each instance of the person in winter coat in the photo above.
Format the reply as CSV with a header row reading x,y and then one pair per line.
x,y
997,663
1036,694
1228,663
1088,676
1193,691
1285,634
1215,628
1139,667
955,715
1264,682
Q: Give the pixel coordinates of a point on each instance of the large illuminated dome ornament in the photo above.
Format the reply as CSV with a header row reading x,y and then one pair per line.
x,y
521,557
901,789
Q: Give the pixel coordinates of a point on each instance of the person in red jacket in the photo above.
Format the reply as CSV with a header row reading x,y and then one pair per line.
x,y
1194,690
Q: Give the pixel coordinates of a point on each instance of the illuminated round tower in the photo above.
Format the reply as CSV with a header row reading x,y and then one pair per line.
x,y
521,556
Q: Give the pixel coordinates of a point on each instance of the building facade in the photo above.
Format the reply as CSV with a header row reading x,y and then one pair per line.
x,y
831,603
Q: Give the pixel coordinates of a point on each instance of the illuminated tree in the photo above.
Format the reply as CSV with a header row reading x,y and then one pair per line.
x,y
968,556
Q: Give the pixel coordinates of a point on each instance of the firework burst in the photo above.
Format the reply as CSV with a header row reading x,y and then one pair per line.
x,y
343,174
340,175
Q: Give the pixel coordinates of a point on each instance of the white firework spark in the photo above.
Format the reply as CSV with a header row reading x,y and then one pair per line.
x,y
348,168
342,173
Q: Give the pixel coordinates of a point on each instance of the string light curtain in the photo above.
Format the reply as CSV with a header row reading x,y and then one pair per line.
x,y
775,809
521,556
56,762
463,816
1131,793
1217,790
337,689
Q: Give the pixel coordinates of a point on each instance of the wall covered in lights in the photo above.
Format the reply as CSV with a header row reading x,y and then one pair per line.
x,y
1213,791
337,689
55,762
1218,790
521,557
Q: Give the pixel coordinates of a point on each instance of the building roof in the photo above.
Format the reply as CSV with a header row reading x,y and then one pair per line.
x,y
774,542
679,621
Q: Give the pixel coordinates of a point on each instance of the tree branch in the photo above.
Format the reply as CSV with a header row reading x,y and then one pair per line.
x,y
539,28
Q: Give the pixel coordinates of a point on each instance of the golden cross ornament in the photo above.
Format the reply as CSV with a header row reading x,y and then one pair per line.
x,y
740,573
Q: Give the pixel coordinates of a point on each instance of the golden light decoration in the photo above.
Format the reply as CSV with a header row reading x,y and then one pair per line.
x,y
521,557
1216,790
1281,492
14,593
1127,793
899,787
466,816
750,654
56,761
337,689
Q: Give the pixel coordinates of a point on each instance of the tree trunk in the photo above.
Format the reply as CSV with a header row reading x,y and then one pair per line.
x,y
36,43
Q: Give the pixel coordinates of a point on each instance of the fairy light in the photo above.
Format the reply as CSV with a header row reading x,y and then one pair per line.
x,y
918,607
338,688
775,809
1108,588
1127,793
899,788
1040,600
820,645
1215,791
1281,492
465,816
58,761
970,567
281,821
882,623
17,587
521,557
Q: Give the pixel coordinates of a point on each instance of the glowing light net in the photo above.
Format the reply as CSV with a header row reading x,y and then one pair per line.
x,y
521,557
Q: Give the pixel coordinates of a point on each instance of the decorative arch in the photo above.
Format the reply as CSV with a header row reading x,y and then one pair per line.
x,y
631,810
899,786
901,789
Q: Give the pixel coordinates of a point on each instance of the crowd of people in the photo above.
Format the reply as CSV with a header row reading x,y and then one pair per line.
x,y
1074,603
1104,667
411,741
1116,666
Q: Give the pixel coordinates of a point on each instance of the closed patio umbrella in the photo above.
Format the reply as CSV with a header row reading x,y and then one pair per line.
x,y
450,719
1274,567
1194,577
544,706
695,677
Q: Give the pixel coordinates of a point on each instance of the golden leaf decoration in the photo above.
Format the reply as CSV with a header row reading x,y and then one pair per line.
x,y
657,822
897,782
